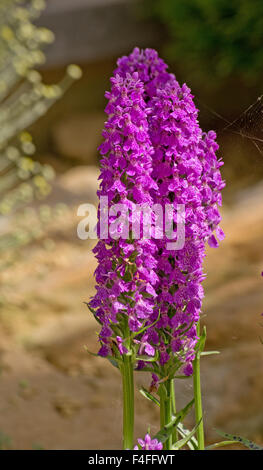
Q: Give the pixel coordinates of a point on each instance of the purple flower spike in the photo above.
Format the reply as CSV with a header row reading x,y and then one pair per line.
x,y
186,171
125,274
154,153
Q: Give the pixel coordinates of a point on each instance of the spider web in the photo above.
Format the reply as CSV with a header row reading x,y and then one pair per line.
x,y
248,125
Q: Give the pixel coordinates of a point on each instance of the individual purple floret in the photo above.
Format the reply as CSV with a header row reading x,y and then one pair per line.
x,y
148,444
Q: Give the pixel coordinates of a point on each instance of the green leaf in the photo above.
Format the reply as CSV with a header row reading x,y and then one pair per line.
x,y
187,438
162,392
148,358
192,443
149,396
172,370
144,328
114,362
127,277
201,342
220,444
167,430
133,256
241,440
180,415
91,353
209,353
93,312
183,377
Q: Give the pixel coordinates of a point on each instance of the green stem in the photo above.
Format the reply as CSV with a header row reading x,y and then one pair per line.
x,y
128,402
198,399
166,410
175,432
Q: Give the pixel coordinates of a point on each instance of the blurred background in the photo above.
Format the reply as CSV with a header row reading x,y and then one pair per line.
x,y
53,394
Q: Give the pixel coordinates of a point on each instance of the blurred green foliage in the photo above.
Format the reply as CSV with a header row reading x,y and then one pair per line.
x,y
24,98
212,40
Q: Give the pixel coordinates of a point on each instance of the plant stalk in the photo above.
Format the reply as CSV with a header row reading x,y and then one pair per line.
x,y
198,398
166,411
128,402
175,432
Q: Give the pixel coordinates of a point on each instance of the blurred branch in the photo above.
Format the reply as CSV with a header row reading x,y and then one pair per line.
x,y
24,98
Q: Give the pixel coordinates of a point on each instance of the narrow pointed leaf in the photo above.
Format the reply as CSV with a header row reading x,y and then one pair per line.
x,y
241,440
147,358
183,377
149,396
187,438
192,443
93,312
220,444
114,362
90,352
202,340
167,430
209,353
144,328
